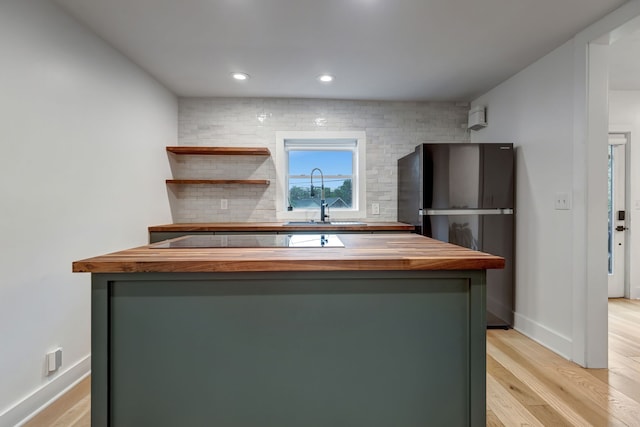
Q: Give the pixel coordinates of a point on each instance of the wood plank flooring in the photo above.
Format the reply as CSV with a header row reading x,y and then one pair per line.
x,y
527,385
530,385
73,409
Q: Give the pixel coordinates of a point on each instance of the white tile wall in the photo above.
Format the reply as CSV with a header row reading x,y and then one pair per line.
x,y
393,129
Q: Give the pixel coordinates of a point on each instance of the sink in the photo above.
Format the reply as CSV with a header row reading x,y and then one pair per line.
x,y
332,223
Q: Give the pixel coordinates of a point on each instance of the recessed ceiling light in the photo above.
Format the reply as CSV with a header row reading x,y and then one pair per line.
x,y
325,78
240,76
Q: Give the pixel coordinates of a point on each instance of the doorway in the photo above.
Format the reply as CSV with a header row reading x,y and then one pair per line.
x,y
617,215
592,115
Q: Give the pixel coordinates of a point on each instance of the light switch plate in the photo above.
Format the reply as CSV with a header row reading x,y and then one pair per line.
x,y
375,208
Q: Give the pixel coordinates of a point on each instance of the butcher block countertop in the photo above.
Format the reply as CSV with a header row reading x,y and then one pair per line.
x,y
361,252
281,226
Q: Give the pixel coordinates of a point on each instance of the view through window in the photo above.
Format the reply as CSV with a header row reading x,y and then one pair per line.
x,y
337,160
335,172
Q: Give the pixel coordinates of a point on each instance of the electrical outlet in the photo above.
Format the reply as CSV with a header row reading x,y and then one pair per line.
x,y
54,360
562,201
224,204
375,208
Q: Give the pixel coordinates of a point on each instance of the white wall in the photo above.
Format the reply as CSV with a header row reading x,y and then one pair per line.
x,y
82,169
624,115
392,129
534,110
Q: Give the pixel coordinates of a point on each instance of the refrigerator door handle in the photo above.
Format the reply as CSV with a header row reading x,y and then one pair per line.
x,y
502,211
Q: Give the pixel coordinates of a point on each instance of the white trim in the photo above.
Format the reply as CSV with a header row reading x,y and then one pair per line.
x,y
359,178
617,138
592,316
41,398
327,143
620,128
544,336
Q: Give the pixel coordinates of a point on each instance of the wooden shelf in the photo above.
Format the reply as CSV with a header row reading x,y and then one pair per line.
x,y
219,181
220,151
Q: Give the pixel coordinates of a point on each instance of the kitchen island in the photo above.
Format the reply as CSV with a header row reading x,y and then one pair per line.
x,y
349,329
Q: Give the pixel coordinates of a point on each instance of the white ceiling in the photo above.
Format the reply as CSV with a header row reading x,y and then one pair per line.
x,y
377,49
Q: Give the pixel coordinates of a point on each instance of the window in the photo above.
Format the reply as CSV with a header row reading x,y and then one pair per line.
x,y
337,162
332,169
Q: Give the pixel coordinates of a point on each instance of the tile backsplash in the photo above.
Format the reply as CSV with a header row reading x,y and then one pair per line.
x,y
393,129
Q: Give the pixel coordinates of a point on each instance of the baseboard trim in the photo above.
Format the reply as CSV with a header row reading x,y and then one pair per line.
x,y
45,395
554,341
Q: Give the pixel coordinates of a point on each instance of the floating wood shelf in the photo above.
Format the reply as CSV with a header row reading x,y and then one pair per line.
x,y
220,151
219,181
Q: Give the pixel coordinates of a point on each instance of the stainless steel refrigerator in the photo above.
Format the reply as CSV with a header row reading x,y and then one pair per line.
x,y
464,194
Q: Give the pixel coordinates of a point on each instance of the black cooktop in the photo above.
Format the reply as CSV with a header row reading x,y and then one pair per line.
x,y
252,241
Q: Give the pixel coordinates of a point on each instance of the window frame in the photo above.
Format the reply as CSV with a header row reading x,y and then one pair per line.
x,y
320,141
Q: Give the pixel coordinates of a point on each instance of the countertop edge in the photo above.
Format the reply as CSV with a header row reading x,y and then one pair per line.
x,y
362,252
89,266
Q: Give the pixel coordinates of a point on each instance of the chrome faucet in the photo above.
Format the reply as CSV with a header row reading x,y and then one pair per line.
x,y
323,204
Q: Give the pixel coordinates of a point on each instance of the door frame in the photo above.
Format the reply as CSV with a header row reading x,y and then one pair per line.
x,y
590,125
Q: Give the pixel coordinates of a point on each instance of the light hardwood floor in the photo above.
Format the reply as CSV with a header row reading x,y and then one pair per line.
x,y
527,385
530,385
73,409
